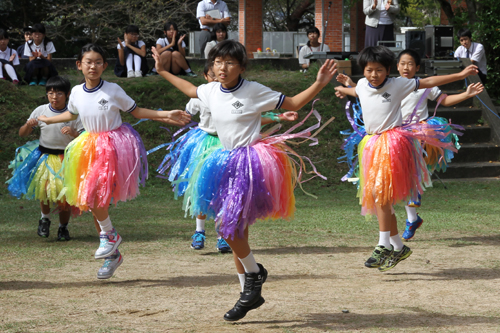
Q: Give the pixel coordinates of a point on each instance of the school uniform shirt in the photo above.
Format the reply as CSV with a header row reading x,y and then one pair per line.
x,y
5,55
382,105
193,107
236,112
45,49
476,53
99,108
164,42
408,104
20,51
305,50
139,45
50,135
205,6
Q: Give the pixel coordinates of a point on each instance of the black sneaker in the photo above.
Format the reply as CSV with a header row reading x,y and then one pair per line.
x,y
253,287
44,227
63,234
239,311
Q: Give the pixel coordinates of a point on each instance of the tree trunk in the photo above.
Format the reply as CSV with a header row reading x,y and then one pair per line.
x,y
448,11
294,19
471,11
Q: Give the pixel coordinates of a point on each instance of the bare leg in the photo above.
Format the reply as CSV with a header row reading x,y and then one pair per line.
x,y
178,62
64,214
387,220
100,213
241,249
45,208
166,60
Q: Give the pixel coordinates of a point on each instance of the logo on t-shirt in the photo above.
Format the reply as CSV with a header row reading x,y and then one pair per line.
x,y
237,104
104,104
386,95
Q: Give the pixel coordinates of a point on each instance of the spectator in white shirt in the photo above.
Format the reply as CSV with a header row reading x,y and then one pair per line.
x,y
472,50
207,22
313,45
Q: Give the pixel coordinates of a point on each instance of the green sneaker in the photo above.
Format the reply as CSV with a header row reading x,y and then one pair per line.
x,y
379,256
395,258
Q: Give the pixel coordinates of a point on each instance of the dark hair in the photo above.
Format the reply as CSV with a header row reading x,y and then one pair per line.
x,y
132,29
27,29
412,53
92,47
380,54
166,27
4,34
311,30
207,68
39,27
217,27
464,32
58,83
229,48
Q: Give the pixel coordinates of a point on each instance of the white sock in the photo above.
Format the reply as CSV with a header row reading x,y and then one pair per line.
x,y
200,224
250,264
105,225
397,243
47,216
412,213
188,70
1,71
242,280
137,62
385,239
129,62
11,72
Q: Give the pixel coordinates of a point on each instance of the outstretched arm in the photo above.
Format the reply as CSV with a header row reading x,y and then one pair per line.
x,y
345,80
286,116
434,81
186,87
325,75
472,90
174,117
62,118
341,92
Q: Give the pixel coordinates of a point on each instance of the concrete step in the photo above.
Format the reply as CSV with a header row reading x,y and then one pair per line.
x,y
459,115
471,170
476,134
477,152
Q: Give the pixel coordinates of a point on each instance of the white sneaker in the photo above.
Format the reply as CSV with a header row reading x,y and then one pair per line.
x,y
130,74
110,265
138,74
109,243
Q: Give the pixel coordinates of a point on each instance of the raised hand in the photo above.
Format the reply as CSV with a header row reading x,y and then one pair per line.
x,y
289,116
120,42
469,70
181,39
326,72
474,89
12,57
339,93
157,58
345,80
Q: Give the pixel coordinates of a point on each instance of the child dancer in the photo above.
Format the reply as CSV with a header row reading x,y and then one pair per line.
x,y
131,54
107,162
250,178
172,49
39,50
391,164
38,176
8,59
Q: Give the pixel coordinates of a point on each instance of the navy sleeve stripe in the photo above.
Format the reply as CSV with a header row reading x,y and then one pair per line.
x,y
417,83
280,102
132,108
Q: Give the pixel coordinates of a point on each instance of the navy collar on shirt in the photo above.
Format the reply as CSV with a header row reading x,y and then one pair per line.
x,y
58,111
233,89
99,86
383,83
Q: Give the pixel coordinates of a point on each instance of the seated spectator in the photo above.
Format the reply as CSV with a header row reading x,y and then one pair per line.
x,y
8,59
27,38
39,50
313,45
172,51
131,60
218,34
472,50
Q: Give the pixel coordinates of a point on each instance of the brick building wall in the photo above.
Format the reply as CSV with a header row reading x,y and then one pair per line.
x,y
250,25
333,37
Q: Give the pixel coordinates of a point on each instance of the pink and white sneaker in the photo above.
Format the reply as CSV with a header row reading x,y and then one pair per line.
x,y
109,243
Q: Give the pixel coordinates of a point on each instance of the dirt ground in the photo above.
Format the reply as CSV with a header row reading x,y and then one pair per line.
x,y
449,285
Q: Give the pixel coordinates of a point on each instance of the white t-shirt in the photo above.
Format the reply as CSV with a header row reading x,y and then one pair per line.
x,y
409,103
193,107
206,5
164,42
476,53
46,50
305,50
99,108
5,55
382,105
50,135
210,45
236,112
139,45
384,19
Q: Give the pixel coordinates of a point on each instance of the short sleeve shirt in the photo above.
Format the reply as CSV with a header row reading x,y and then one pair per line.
x,y
382,105
45,49
196,106
5,55
205,6
99,108
236,112
410,102
139,45
164,42
50,135
305,50
476,53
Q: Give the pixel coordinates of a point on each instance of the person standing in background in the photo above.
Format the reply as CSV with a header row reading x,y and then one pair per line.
x,y
207,22
380,16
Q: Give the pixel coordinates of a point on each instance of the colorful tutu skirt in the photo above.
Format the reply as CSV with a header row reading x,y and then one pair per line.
x,y
392,168
438,159
36,175
100,168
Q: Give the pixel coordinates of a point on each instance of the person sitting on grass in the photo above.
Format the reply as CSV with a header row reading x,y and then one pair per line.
x,y
131,54
8,59
39,50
